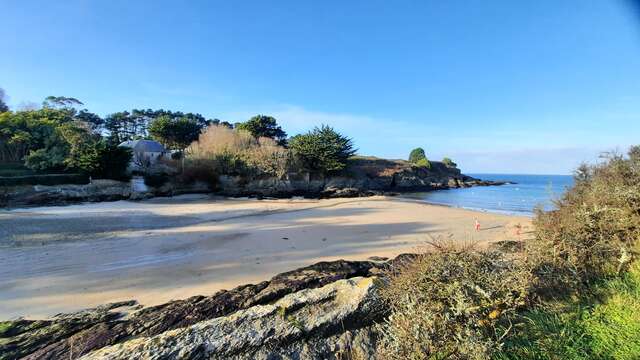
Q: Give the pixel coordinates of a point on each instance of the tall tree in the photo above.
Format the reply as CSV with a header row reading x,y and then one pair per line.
x,y
419,158
90,118
175,133
416,155
264,126
3,104
118,125
323,149
58,102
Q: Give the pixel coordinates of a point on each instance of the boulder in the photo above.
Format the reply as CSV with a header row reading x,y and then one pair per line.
x,y
69,336
275,331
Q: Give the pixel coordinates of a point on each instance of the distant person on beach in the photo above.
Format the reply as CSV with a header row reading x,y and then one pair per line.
x,y
477,226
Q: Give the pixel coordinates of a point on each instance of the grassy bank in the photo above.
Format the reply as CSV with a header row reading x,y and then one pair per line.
x,y
603,325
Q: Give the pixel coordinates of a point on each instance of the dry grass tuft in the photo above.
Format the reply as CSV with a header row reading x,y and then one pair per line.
x,y
447,303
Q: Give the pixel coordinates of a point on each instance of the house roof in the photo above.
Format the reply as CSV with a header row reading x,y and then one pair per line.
x,y
143,146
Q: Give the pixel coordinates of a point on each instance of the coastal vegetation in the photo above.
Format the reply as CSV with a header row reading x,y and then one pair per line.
x,y
60,139
56,139
418,158
322,149
262,126
449,163
572,291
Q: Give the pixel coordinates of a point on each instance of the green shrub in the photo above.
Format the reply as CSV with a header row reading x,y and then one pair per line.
x,y
323,149
593,231
449,163
49,159
423,163
113,162
228,163
416,155
418,158
448,303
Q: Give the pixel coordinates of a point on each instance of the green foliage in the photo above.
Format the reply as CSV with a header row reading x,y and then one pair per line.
x,y
423,163
113,162
93,120
84,148
322,149
614,324
175,132
50,158
449,163
123,126
416,155
264,126
3,105
603,325
60,102
418,158
593,232
24,131
54,140
586,249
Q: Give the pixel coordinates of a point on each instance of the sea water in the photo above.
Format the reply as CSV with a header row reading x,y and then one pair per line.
x,y
520,196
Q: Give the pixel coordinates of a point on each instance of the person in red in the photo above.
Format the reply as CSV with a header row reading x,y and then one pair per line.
x,y
477,225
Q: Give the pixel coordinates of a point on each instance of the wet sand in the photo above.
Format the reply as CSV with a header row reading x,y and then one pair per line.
x,y
66,258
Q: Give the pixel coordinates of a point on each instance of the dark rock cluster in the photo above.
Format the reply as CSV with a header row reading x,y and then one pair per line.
x,y
69,336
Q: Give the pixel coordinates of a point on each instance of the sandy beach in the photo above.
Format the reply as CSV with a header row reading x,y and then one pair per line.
x,y
66,258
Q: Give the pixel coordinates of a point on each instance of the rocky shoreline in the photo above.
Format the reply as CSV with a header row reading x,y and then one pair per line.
x,y
326,310
367,177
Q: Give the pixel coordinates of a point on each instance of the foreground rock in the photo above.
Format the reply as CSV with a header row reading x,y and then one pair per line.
x,y
71,336
278,330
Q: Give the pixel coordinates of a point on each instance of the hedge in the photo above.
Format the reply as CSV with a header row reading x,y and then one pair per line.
x,y
56,179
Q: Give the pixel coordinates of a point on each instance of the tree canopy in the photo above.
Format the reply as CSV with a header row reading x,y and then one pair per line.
x,y
56,102
449,163
418,158
3,105
264,126
175,132
416,155
125,125
322,149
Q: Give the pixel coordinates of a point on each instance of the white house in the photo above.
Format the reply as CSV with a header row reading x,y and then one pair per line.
x,y
145,153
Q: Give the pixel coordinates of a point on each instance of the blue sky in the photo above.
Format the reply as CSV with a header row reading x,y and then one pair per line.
x,y
499,86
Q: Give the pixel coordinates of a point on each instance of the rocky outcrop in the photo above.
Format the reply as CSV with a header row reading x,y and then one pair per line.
x,y
71,336
279,330
98,190
363,177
